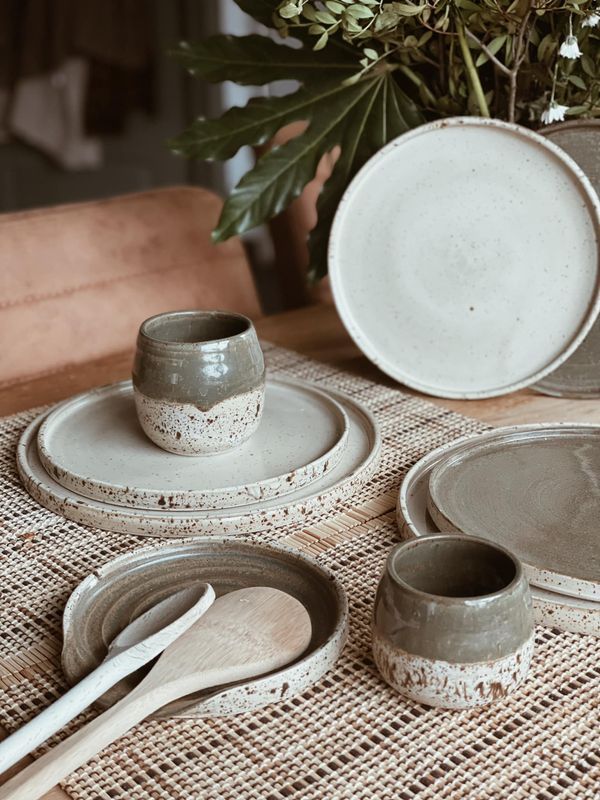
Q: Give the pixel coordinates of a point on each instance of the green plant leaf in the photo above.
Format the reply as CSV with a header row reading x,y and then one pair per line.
x,y
254,124
359,118
255,60
381,117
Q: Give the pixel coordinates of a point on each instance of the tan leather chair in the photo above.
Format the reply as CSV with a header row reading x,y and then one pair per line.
x,y
77,280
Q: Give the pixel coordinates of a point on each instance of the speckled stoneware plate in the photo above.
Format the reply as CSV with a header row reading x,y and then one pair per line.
x,y
550,608
464,258
579,376
358,464
534,490
94,445
106,601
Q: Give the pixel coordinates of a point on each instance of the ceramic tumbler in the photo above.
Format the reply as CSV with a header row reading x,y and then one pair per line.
x,y
453,621
199,381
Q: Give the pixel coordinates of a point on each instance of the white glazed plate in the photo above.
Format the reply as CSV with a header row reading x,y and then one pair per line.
x,y
550,608
358,464
534,489
464,258
93,444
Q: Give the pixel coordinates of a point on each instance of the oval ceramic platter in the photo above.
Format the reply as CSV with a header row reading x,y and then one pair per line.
x,y
94,445
535,490
579,376
464,258
105,602
358,464
550,608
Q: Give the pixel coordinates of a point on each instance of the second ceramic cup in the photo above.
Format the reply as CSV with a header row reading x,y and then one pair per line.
x,y
452,623
199,381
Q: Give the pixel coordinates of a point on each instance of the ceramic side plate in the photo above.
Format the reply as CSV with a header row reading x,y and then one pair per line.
x,y
579,376
464,258
550,608
534,490
105,602
358,464
93,445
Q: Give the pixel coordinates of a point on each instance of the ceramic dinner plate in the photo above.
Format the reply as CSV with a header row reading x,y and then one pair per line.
x,y
464,258
550,608
535,490
94,445
357,465
118,592
579,376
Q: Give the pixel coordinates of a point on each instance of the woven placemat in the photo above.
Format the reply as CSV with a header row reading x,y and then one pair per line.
x,y
349,736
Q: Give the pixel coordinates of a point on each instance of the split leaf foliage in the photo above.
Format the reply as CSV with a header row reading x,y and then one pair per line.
x,y
358,117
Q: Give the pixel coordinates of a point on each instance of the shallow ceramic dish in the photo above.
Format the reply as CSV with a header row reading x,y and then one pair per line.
x,y
358,464
476,271
534,490
550,608
579,376
93,445
121,590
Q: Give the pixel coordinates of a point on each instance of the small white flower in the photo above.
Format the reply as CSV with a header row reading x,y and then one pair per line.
x,y
591,21
554,113
570,47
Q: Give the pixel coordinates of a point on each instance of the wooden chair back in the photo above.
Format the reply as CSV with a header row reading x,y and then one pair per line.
x,y
77,280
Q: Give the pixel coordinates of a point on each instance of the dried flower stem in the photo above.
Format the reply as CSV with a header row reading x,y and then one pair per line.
x,y
520,53
472,72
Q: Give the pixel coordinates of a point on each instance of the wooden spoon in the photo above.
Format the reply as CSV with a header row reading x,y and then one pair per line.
x,y
136,645
244,634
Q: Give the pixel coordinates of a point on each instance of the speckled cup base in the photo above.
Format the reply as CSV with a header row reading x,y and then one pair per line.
x,y
446,685
187,430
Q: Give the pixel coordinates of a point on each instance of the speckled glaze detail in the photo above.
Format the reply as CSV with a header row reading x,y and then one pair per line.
x,y
452,315
452,621
189,370
187,430
446,685
357,465
125,587
550,609
93,445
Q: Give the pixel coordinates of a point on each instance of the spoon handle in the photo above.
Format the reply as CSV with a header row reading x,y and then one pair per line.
x,y
51,719
44,773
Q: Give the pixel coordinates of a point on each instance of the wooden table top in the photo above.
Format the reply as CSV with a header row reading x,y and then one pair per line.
x,y
316,332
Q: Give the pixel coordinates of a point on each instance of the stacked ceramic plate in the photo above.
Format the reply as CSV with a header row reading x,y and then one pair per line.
x,y
579,375
532,488
464,259
88,460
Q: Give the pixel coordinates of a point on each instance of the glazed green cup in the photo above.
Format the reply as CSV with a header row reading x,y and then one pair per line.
x,y
198,381
453,621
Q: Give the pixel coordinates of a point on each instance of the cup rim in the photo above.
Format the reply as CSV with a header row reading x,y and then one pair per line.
x,y
146,335
442,598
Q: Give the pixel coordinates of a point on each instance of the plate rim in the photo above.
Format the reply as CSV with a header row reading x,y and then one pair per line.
x,y
336,269
71,480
